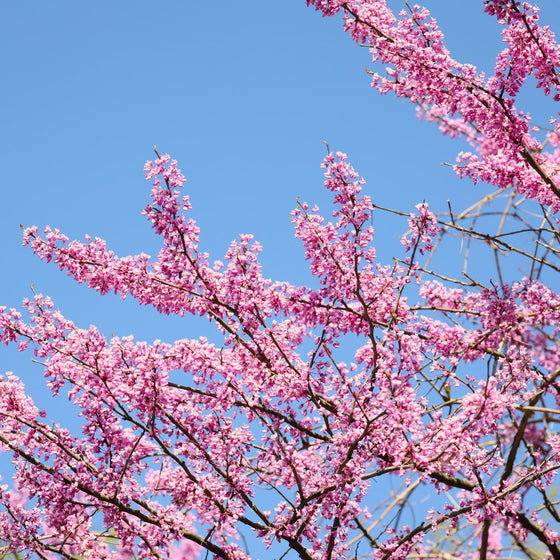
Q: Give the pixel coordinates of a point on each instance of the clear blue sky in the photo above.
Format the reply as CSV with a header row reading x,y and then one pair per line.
x,y
242,94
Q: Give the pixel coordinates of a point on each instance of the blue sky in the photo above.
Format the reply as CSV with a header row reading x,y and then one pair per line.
x,y
242,94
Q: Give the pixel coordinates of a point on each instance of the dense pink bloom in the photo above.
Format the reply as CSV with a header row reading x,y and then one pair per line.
x,y
313,395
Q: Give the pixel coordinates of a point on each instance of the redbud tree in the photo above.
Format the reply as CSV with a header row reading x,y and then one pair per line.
x,y
322,414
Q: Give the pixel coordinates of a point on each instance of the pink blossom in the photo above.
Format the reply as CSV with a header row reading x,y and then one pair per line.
x,y
312,398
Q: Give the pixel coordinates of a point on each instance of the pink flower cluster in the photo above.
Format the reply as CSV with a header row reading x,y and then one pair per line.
x,y
179,438
418,66
313,398
424,228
